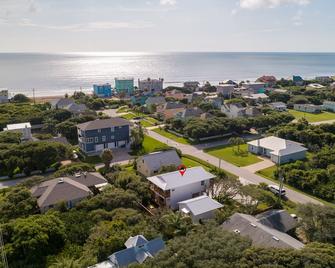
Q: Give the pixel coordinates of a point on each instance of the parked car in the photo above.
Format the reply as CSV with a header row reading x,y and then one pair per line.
x,y
276,190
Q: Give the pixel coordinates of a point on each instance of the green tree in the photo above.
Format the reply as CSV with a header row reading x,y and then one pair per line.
x,y
107,157
137,137
19,98
175,224
236,141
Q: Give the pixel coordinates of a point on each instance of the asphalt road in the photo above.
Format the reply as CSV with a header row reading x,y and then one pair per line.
x,y
240,172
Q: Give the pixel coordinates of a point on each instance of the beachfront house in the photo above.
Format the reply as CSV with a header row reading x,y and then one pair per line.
x,y
124,85
138,249
192,85
3,95
263,232
254,87
278,106
279,150
69,105
189,113
151,85
169,189
150,164
323,79
97,135
268,80
199,208
23,128
226,90
297,80
254,98
102,90
308,108
329,105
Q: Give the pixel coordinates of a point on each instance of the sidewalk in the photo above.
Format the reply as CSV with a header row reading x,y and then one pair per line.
x,y
266,163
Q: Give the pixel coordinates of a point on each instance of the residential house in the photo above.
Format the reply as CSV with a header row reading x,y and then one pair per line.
x,y
297,80
69,105
139,99
278,219
150,164
189,113
192,85
315,86
124,85
233,110
159,100
24,128
150,85
95,136
324,79
226,90
103,90
52,192
170,109
138,249
169,189
199,208
279,150
260,232
256,98
228,82
215,100
268,80
332,86
252,111
175,94
92,180
329,105
255,87
3,95
307,108
278,106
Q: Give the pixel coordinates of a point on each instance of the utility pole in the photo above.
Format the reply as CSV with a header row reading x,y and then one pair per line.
x,y
34,95
281,180
2,251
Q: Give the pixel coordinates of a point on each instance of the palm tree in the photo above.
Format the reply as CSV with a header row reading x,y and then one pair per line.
x,y
65,262
175,224
107,157
236,141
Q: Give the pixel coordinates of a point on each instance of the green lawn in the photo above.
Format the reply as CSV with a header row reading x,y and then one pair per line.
x,y
268,172
171,136
323,116
151,145
152,120
145,123
123,109
228,154
128,116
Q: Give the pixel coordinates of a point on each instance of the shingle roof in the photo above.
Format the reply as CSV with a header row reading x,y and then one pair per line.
x,y
174,179
278,146
277,104
60,103
155,100
158,159
103,123
201,204
278,219
173,105
261,235
191,112
135,241
89,179
60,189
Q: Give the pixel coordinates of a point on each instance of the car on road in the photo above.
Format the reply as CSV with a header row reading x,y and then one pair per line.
x,y
276,190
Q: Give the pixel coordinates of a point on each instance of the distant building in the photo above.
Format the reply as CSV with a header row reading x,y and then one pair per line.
x,y
199,208
278,106
329,105
252,111
138,249
233,110
228,82
269,80
226,90
103,90
170,109
256,87
261,232
150,85
278,150
150,164
69,105
139,99
256,98
175,94
192,85
3,96
159,100
315,86
297,80
188,113
214,100
169,189
323,79
24,128
95,136
307,108
124,85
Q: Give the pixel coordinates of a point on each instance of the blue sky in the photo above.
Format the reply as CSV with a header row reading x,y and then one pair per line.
x,y
167,25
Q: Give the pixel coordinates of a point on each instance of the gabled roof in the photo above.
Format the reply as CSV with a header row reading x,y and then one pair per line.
x,y
174,179
135,241
155,100
260,234
60,189
158,159
76,108
60,103
278,104
18,126
278,146
173,105
89,179
278,219
200,205
256,96
191,112
103,123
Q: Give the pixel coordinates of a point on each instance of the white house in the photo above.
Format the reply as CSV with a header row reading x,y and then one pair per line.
x,y
24,128
315,86
278,150
225,89
257,97
307,108
278,106
170,188
150,85
199,208
329,105
233,110
149,164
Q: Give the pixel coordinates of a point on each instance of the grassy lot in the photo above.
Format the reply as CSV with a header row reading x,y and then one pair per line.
x,y
152,120
128,116
145,123
95,159
151,145
228,154
171,136
123,109
324,116
268,172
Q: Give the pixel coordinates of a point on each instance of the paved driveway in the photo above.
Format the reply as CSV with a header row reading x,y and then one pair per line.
x,y
266,163
240,172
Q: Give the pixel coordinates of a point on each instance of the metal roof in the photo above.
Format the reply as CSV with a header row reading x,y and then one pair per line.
x,y
103,123
201,204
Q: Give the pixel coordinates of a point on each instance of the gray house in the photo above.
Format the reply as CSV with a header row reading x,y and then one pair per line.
x,y
149,164
307,108
97,135
70,105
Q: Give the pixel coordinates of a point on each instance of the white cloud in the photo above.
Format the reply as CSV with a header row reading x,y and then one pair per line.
x,y
297,18
168,2
255,4
234,12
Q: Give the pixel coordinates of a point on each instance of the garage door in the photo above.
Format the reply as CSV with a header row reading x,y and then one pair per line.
x,y
99,147
111,145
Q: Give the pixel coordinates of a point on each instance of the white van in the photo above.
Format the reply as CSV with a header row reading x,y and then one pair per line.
x,y
275,189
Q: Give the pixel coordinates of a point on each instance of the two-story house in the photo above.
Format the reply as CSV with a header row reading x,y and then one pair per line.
x,y
95,136
170,188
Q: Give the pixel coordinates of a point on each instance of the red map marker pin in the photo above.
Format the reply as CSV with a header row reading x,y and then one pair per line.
x,y
182,169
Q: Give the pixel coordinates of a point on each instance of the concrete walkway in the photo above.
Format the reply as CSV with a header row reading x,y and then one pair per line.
x,y
266,163
247,176
323,122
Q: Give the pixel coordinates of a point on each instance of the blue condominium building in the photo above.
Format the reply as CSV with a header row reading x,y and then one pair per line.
x,y
103,90
97,135
124,85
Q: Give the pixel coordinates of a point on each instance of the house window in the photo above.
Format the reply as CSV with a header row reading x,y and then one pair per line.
x,y
99,130
89,140
112,129
112,137
96,139
202,183
103,138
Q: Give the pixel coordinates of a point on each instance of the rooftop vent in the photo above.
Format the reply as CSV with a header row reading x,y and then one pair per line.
x,y
275,238
236,231
253,225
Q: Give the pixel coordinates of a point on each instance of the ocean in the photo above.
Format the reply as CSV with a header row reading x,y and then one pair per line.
x,y
57,74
